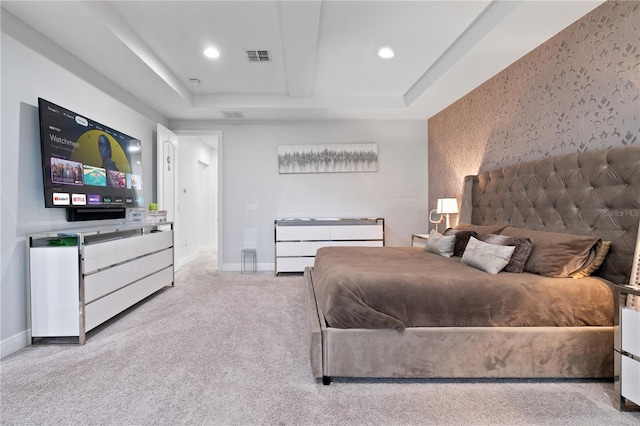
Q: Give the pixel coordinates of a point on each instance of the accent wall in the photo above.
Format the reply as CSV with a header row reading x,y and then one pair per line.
x,y
579,91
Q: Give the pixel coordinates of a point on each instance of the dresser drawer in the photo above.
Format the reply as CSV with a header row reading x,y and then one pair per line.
x,y
356,232
293,264
102,283
630,330
302,233
630,379
102,309
303,248
104,254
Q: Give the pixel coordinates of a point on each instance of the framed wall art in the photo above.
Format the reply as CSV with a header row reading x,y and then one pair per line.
x,y
330,158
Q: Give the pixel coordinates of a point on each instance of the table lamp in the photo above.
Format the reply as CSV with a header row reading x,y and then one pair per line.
x,y
447,206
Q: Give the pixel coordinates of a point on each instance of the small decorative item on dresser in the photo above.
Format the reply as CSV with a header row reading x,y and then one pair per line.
x,y
156,216
136,215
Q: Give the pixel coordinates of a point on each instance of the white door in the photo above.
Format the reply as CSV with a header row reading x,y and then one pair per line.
x,y
167,142
205,214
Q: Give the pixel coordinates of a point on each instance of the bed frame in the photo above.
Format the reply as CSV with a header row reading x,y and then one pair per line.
x,y
590,193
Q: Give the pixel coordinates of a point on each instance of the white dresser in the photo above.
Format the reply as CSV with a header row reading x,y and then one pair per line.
x,y
627,347
78,279
297,240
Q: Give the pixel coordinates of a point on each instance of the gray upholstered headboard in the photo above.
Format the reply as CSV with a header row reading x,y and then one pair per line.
x,y
590,193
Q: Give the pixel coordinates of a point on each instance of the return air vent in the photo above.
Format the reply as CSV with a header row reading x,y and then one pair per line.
x,y
258,55
233,114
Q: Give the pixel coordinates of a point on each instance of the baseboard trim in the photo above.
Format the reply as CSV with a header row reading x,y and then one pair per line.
x,y
13,344
181,262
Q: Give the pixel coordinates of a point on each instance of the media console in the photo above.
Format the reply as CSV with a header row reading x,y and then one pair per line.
x,y
78,279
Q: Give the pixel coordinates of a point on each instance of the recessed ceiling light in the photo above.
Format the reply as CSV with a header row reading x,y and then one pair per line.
x,y
211,52
194,82
386,53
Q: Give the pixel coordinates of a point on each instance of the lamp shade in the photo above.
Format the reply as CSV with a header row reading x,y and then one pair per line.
x,y
447,205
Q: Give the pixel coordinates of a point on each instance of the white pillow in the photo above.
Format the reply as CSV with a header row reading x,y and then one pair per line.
x,y
440,244
490,258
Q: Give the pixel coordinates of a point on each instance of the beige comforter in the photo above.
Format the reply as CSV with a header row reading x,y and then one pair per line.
x,y
398,287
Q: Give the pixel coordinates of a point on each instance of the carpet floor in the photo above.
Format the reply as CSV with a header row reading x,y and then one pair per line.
x,y
224,348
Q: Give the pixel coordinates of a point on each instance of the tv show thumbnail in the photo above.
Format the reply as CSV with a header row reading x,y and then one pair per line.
x,y
116,179
66,171
134,182
95,176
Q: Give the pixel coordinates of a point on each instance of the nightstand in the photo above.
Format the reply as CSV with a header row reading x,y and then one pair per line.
x,y
626,344
421,238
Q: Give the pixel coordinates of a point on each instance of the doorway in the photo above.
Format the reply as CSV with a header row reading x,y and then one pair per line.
x,y
197,197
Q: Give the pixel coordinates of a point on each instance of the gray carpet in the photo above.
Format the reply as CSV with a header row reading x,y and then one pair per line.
x,y
224,348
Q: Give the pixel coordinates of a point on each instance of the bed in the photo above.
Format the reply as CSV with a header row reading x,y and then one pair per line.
x,y
473,324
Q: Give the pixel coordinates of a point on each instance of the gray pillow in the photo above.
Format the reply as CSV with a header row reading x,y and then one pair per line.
x,y
521,254
440,244
555,254
490,258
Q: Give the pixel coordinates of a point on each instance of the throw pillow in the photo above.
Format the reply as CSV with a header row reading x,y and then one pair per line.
x,y
440,244
594,261
555,254
490,258
523,248
462,238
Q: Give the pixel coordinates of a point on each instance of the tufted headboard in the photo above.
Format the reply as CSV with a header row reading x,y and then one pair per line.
x,y
590,193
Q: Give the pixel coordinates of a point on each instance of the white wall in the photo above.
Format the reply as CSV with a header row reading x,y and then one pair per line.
x,y
249,175
26,76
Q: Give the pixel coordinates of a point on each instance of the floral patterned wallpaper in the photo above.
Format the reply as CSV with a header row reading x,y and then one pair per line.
x,y
578,91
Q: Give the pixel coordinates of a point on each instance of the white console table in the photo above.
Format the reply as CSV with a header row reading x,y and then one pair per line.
x,y
78,279
297,240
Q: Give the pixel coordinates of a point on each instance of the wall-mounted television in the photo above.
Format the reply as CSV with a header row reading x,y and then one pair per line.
x,y
92,170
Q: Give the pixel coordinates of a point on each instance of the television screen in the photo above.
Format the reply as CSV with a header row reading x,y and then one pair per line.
x,y
87,164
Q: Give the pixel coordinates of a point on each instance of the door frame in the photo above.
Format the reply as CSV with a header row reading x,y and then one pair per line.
x,y
163,136
218,134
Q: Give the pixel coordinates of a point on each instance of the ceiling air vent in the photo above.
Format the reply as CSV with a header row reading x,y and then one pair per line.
x,y
233,114
258,55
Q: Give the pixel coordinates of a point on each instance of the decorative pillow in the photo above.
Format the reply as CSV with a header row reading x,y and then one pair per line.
x,y
555,254
523,248
490,258
462,238
440,244
596,257
481,230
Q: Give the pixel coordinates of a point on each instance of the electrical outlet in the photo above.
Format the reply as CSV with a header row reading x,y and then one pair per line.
x,y
252,207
